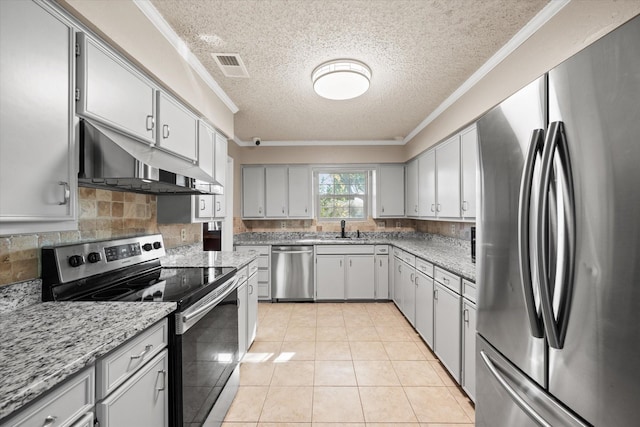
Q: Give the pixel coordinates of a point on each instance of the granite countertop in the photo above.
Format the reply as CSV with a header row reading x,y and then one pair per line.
x,y
451,254
194,256
44,344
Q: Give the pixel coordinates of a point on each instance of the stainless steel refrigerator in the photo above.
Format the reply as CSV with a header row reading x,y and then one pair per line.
x,y
559,245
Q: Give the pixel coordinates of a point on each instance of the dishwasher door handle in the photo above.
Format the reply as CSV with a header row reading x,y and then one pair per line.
x,y
292,252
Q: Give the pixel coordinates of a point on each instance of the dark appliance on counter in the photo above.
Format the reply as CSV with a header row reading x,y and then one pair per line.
x,y
212,236
203,332
558,244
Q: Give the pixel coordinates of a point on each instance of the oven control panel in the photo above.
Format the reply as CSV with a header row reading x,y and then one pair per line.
x,y
78,261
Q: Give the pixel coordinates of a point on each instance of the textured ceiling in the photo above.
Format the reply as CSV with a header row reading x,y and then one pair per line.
x,y
419,51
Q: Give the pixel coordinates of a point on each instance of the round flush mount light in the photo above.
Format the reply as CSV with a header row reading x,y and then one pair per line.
x,y
341,79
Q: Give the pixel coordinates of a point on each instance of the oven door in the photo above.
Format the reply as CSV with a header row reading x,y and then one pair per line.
x,y
206,357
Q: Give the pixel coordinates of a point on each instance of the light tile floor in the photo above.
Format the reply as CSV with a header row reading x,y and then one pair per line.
x,y
343,364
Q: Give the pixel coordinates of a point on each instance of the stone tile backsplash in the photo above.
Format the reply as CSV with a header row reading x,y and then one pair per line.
x,y
102,214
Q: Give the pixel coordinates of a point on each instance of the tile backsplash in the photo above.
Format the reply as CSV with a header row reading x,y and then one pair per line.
x,y
102,214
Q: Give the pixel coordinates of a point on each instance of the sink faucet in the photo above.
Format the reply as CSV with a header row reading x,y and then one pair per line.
x,y
342,224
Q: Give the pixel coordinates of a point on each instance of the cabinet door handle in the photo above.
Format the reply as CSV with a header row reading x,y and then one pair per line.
x,y
260,210
250,289
165,131
49,420
218,206
412,277
66,193
147,348
151,122
380,263
283,209
162,373
350,263
445,280
340,263
416,281
465,315
383,209
439,209
435,294
433,207
400,268
415,209
202,205
305,210
464,205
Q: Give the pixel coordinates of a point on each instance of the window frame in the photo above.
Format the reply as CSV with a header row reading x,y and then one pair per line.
x,y
366,170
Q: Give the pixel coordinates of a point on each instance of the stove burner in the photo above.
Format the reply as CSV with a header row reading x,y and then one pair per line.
x,y
111,293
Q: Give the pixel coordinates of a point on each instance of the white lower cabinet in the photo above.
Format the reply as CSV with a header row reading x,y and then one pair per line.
x,y
446,328
345,272
360,282
142,401
469,348
409,293
330,277
424,307
264,265
397,282
243,304
252,305
65,405
382,277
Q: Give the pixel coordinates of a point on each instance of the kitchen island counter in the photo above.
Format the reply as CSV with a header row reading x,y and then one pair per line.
x,y
44,344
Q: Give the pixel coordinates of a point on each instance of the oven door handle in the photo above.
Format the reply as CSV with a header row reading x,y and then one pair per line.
x,y
183,319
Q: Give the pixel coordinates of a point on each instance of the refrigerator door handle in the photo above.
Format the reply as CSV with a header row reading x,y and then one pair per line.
x,y
524,208
522,404
556,323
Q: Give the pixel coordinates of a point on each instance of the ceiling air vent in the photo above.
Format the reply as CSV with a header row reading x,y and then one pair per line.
x,y
231,64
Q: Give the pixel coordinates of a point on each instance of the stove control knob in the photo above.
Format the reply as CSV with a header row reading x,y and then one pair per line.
x,y
147,247
76,260
157,245
94,257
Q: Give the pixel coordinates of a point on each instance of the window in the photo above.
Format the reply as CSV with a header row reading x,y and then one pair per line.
x,y
342,194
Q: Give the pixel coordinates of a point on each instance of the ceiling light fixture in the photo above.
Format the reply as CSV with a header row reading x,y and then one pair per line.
x,y
341,79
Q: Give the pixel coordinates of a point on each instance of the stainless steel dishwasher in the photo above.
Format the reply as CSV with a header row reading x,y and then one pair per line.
x,y
292,273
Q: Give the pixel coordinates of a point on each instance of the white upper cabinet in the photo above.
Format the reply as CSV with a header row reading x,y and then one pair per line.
x,y
206,149
469,154
220,159
427,185
276,191
253,192
412,189
37,155
448,179
300,192
390,191
113,93
177,128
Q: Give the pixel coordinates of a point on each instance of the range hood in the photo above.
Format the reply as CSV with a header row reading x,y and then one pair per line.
x,y
114,161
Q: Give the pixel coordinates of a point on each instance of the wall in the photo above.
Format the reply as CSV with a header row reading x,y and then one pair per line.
x,y
127,29
576,26
102,214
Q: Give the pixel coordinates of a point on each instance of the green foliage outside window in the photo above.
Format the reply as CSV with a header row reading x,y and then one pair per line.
x,y
342,195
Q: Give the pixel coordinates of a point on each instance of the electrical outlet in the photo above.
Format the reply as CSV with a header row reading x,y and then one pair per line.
x,y
283,224
398,224
380,224
453,229
183,234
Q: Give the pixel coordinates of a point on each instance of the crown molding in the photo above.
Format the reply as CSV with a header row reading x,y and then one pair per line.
x,y
181,47
548,12
315,143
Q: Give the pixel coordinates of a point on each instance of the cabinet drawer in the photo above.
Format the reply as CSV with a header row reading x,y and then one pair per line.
x,y
263,262
344,249
469,290
85,421
451,281
253,267
424,266
409,259
116,367
243,275
262,250
263,290
397,252
382,249
143,400
263,277
66,404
